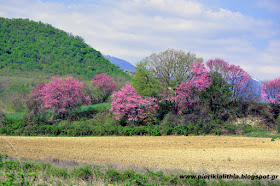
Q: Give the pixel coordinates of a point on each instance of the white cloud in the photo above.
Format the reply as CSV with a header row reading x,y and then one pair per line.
x,y
269,72
133,29
178,8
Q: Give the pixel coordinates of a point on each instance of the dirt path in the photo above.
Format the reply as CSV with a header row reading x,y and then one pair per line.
x,y
211,154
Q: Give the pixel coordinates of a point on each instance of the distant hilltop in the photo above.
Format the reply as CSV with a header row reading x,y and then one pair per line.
x,y
27,46
124,65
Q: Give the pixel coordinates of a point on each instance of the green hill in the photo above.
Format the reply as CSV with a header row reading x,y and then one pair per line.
x,y
29,46
32,52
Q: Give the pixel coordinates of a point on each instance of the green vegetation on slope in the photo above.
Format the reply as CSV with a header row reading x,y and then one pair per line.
x,y
28,46
32,52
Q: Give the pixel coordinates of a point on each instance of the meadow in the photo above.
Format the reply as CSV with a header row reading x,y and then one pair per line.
x,y
213,154
170,156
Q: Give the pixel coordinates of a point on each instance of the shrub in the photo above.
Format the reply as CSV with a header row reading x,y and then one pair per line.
x,y
167,103
105,84
218,94
84,173
127,105
93,93
57,96
188,91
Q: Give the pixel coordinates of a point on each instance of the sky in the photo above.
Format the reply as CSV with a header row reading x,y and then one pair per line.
x,y
241,32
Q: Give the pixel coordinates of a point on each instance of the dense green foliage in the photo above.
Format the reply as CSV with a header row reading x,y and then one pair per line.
x,y
29,46
98,128
218,95
96,120
144,81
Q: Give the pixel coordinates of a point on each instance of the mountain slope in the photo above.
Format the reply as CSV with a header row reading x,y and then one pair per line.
x,y
124,65
28,46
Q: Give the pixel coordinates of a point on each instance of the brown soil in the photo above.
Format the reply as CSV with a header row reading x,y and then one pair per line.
x,y
207,154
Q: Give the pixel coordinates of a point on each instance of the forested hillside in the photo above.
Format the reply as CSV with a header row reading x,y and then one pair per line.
x,y
29,46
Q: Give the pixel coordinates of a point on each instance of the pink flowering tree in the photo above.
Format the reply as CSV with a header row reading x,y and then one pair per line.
x,y
127,105
105,84
234,75
59,95
270,91
188,91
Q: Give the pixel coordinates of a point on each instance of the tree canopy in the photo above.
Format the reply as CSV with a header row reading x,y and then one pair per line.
x,y
238,78
172,66
165,70
144,81
271,91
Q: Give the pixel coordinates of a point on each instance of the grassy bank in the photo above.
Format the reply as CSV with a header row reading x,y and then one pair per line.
x,y
57,172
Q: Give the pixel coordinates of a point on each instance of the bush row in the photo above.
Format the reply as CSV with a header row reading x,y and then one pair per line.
x,y
104,125
97,120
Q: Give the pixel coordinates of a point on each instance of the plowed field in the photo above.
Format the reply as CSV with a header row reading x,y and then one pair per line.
x,y
211,154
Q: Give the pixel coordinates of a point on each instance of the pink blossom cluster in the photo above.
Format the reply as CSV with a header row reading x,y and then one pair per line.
x,y
127,103
166,96
235,75
201,77
218,65
270,91
104,83
59,94
187,90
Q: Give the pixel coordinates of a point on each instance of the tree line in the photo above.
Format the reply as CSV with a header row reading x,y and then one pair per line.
x,y
171,81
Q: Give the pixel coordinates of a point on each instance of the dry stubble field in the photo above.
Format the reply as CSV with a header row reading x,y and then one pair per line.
x,y
201,154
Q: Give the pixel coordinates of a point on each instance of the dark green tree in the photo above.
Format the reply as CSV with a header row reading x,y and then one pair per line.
x,y
218,95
